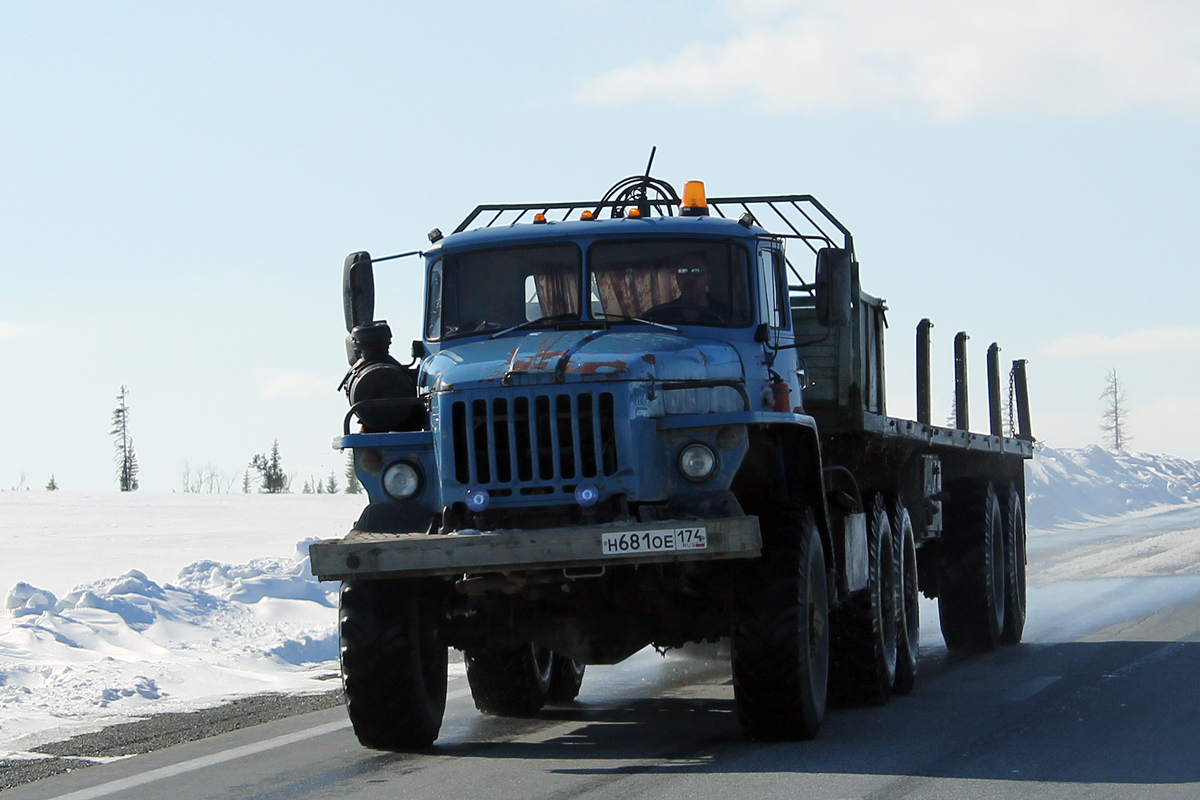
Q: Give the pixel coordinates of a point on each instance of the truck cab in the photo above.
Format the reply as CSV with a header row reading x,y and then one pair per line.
x,y
602,369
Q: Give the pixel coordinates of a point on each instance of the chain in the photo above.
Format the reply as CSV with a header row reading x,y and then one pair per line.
x,y
1012,390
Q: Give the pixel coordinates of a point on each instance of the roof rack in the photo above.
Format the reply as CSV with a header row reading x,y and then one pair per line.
x,y
787,216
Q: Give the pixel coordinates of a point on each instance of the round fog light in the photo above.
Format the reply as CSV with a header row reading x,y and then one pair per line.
x,y
587,494
401,480
478,499
697,462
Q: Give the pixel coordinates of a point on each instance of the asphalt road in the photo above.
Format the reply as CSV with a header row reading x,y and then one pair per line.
x,y
1101,701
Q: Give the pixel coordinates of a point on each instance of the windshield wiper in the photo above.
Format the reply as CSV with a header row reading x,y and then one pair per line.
x,y
624,318
520,326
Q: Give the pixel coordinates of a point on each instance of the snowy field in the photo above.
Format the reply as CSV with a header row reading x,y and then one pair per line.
x,y
119,606
123,605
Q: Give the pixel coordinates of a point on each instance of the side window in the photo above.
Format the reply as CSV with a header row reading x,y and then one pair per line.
x,y
533,306
772,296
433,314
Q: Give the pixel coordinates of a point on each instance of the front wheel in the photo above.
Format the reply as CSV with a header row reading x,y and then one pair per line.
x,y
780,636
393,662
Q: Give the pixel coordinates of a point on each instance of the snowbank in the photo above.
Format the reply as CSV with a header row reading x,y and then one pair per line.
x,y
115,648
1075,485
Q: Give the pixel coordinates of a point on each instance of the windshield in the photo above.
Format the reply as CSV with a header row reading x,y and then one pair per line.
x,y
490,290
672,281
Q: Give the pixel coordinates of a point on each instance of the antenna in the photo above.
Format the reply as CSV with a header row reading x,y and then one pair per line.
x,y
650,163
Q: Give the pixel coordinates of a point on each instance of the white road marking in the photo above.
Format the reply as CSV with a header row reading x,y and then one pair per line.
x,y
121,784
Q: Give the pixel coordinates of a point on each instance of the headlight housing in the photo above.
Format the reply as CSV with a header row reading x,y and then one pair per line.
x,y
402,480
697,462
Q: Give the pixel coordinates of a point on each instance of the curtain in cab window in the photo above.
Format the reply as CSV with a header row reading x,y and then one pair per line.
x,y
655,279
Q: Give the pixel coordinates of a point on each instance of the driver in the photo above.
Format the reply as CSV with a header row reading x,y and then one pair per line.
x,y
695,302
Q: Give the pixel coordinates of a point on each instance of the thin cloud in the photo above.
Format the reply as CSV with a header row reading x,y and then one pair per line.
x,y
1151,340
294,385
10,331
940,58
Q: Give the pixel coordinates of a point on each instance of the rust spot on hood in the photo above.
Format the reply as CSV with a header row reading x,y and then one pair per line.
x,y
538,362
650,359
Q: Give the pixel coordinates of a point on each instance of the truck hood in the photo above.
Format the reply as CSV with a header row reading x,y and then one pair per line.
x,y
544,357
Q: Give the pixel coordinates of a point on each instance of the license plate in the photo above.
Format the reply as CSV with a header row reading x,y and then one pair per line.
x,y
666,540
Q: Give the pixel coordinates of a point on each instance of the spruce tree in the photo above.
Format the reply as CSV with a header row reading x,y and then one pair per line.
x,y
270,469
127,467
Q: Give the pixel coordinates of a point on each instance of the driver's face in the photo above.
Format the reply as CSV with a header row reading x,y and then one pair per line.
x,y
692,278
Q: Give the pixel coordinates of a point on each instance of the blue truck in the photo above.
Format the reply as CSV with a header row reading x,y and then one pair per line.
x,y
658,420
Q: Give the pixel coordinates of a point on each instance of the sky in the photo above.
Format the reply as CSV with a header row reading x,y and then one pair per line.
x,y
180,184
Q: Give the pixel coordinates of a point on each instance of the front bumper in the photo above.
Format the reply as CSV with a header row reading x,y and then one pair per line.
x,y
365,555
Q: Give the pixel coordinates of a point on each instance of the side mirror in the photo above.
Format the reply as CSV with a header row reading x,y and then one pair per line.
x,y
358,290
833,299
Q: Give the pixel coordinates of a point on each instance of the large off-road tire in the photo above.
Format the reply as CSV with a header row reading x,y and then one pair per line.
x,y
509,681
566,678
971,598
393,662
908,622
1012,514
864,634
780,641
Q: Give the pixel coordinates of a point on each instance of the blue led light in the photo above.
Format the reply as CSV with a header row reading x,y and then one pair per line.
x,y
586,494
478,499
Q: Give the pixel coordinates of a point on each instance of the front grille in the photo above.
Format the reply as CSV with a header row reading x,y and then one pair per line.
x,y
534,439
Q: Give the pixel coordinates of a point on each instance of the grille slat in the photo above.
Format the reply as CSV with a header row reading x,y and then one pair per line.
x,y
576,436
534,439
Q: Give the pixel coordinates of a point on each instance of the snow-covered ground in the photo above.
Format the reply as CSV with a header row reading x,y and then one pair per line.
x,y
1078,485
122,605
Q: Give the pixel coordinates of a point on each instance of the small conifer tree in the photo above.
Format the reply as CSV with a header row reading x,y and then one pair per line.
x,y
352,484
127,466
1115,419
273,480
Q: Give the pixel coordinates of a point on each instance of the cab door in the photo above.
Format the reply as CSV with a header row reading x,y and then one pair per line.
x,y
775,317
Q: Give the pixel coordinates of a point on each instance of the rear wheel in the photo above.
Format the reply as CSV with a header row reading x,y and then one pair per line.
x,y
908,623
971,598
780,641
864,652
1013,521
393,662
566,678
509,681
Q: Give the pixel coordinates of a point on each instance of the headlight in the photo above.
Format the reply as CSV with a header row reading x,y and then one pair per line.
x,y
697,462
401,480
